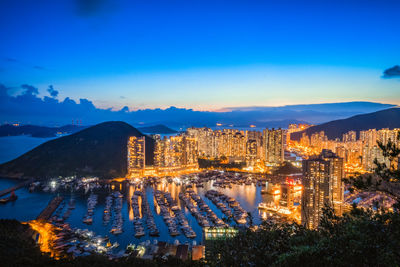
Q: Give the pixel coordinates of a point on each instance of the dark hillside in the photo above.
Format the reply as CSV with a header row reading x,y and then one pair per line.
x,y
99,150
388,118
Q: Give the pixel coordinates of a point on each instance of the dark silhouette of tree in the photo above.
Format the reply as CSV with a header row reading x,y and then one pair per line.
x,y
386,177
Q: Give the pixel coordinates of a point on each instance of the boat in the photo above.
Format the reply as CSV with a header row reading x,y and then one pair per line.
x,y
12,197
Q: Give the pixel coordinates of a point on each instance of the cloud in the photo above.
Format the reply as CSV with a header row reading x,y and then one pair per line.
x,y
393,72
122,97
29,90
53,93
28,108
124,109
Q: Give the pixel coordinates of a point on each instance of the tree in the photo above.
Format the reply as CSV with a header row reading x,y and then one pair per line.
x,y
385,178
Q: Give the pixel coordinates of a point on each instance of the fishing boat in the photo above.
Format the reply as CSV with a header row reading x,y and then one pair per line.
x,y
12,197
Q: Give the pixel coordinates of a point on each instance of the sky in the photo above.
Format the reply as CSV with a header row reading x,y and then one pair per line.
x,y
203,55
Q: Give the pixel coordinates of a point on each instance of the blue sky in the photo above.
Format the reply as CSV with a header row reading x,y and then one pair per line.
x,y
204,55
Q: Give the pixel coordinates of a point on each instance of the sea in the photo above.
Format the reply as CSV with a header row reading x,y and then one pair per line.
x,y
12,147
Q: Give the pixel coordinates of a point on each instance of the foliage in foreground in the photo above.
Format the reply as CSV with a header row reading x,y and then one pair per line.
x,y
359,238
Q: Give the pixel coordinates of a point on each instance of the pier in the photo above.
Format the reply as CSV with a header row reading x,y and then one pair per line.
x,y
51,207
16,187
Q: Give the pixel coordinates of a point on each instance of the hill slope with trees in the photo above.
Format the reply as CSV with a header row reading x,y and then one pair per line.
x,y
388,118
100,150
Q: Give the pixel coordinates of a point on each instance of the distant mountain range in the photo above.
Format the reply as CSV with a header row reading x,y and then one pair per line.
x,y
48,111
262,117
38,131
388,118
98,150
44,131
157,129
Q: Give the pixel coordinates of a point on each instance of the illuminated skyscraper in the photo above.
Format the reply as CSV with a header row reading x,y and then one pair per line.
x,y
350,136
205,140
251,152
322,181
189,151
136,155
336,174
273,146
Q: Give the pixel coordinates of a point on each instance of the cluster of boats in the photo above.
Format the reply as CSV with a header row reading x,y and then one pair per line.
x,y
137,218
206,209
107,210
218,198
145,216
118,220
57,217
148,216
226,180
165,213
180,216
91,204
171,210
71,206
78,242
201,219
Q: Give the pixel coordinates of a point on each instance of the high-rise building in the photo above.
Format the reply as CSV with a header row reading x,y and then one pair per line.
x,y
175,152
136,155
189,150
322,182
350,136
251,152
273,146
336,185
205,140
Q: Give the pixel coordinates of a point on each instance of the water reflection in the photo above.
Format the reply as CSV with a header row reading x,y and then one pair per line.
x,y
249,197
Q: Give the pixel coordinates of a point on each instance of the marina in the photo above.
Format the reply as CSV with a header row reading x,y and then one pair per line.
x,y
138,213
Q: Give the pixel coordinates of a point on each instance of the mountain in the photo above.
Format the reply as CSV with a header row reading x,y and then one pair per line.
x,y
100,150
388,118
157,129
38,131
31,109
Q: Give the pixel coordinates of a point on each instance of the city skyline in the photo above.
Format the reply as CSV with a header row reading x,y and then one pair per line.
x,y
142,55
199,133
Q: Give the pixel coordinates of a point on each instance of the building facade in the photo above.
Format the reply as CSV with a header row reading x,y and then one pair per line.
x,y
323,186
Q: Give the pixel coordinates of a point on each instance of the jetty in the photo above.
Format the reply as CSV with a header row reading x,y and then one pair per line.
x,y
15,187
51,207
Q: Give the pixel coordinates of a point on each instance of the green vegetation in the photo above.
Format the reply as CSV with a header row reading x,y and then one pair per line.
x,y
100,150
386,178
219,164
157,129
359,238
286,169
